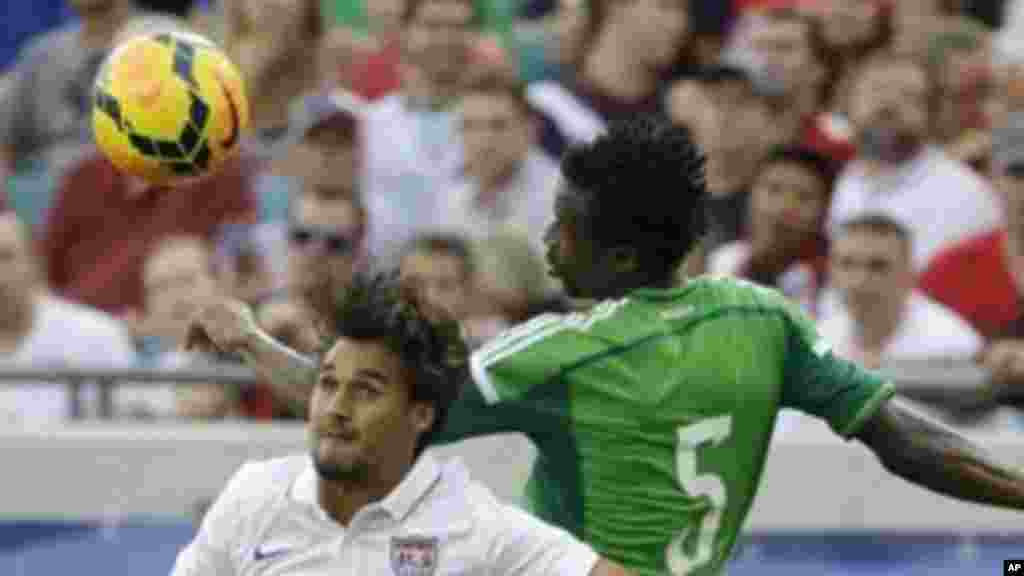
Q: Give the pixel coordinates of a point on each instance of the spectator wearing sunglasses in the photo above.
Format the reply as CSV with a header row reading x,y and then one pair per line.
x,y
325,241
318,157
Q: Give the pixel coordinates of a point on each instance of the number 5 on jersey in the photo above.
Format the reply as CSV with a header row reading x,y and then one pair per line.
x,y
689,439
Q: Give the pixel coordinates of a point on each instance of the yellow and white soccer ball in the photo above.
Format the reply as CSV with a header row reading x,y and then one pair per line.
x,y
169,107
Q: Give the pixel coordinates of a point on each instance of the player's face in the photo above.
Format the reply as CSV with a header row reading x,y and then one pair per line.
x,y
572,256
362,422
871,270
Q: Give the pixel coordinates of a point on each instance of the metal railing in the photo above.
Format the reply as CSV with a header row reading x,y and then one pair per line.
x,y
956,381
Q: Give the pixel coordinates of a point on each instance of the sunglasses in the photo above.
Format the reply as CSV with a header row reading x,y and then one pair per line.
x,y
334,242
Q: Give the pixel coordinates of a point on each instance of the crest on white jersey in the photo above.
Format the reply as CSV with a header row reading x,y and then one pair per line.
x,y
414,555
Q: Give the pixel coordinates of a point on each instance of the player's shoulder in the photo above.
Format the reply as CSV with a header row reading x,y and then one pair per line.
x,y
466,503
719,291
256,484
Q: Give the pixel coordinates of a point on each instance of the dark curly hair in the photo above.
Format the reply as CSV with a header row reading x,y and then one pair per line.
x,y
644,186
433,353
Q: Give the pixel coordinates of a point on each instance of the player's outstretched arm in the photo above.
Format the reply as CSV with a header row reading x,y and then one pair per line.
x,y
229,326
931,455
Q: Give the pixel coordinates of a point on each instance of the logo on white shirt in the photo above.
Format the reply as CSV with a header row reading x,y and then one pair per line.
x,y
262,553
414,555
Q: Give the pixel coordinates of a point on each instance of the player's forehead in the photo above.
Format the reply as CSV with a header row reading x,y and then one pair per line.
x,y
350,358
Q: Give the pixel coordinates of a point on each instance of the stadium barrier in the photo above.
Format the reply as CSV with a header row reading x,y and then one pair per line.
x,y
122,497
943,379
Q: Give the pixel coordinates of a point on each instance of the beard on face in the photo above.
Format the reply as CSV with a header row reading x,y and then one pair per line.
x,y
350,473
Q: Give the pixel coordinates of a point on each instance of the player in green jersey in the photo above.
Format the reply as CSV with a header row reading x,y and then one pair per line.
x,y
652,412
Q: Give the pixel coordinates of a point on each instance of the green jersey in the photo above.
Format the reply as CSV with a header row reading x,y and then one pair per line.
x,y
652,414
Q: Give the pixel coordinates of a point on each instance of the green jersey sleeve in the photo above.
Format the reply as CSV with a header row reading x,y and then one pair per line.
x,y
821,384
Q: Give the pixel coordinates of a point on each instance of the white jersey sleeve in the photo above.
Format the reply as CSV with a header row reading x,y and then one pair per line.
x,y
525,546
214,550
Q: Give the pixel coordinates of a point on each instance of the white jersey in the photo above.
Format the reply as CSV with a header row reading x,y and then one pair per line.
x,y
437,522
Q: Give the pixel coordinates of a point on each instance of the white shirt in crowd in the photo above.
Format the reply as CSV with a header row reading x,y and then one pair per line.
x,y
524,206
938,198
927,330
436,522
63,335
797,282
412,159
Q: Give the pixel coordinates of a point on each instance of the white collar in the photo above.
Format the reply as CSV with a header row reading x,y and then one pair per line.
x,y
398,504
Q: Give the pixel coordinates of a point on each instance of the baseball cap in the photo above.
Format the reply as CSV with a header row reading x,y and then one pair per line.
x,y
335,111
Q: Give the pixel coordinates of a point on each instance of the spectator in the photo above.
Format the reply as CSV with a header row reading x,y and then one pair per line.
x,y
104,223
508,182
625,49
729,123
785,246
899,171
881,316
413,155
40,330
321,157
325,236
276,44
177,274
570,28
852,31
441,270
982,277
786,55
44,114
960,59
290,323
513,285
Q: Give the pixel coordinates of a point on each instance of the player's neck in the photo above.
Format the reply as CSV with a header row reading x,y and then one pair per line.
x,y
343,500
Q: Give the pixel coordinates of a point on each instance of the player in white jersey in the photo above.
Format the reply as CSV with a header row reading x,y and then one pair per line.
x,y
367,499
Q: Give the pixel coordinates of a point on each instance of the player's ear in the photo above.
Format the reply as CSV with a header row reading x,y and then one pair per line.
x,y
624,259
423,414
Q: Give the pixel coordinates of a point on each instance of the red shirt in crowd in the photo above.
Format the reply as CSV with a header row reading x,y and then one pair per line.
x,y
973,278
372,75
98,232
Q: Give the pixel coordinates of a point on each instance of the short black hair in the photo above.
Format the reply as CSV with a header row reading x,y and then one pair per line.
x,y
448,244
377,308
806,157
644,184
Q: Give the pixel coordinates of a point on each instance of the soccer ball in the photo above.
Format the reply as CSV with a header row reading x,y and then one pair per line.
x,y
169,107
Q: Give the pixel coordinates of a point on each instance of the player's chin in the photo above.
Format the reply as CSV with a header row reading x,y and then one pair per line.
x,y
339,467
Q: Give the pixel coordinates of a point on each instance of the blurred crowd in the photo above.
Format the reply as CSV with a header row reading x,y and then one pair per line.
x,y
860,158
